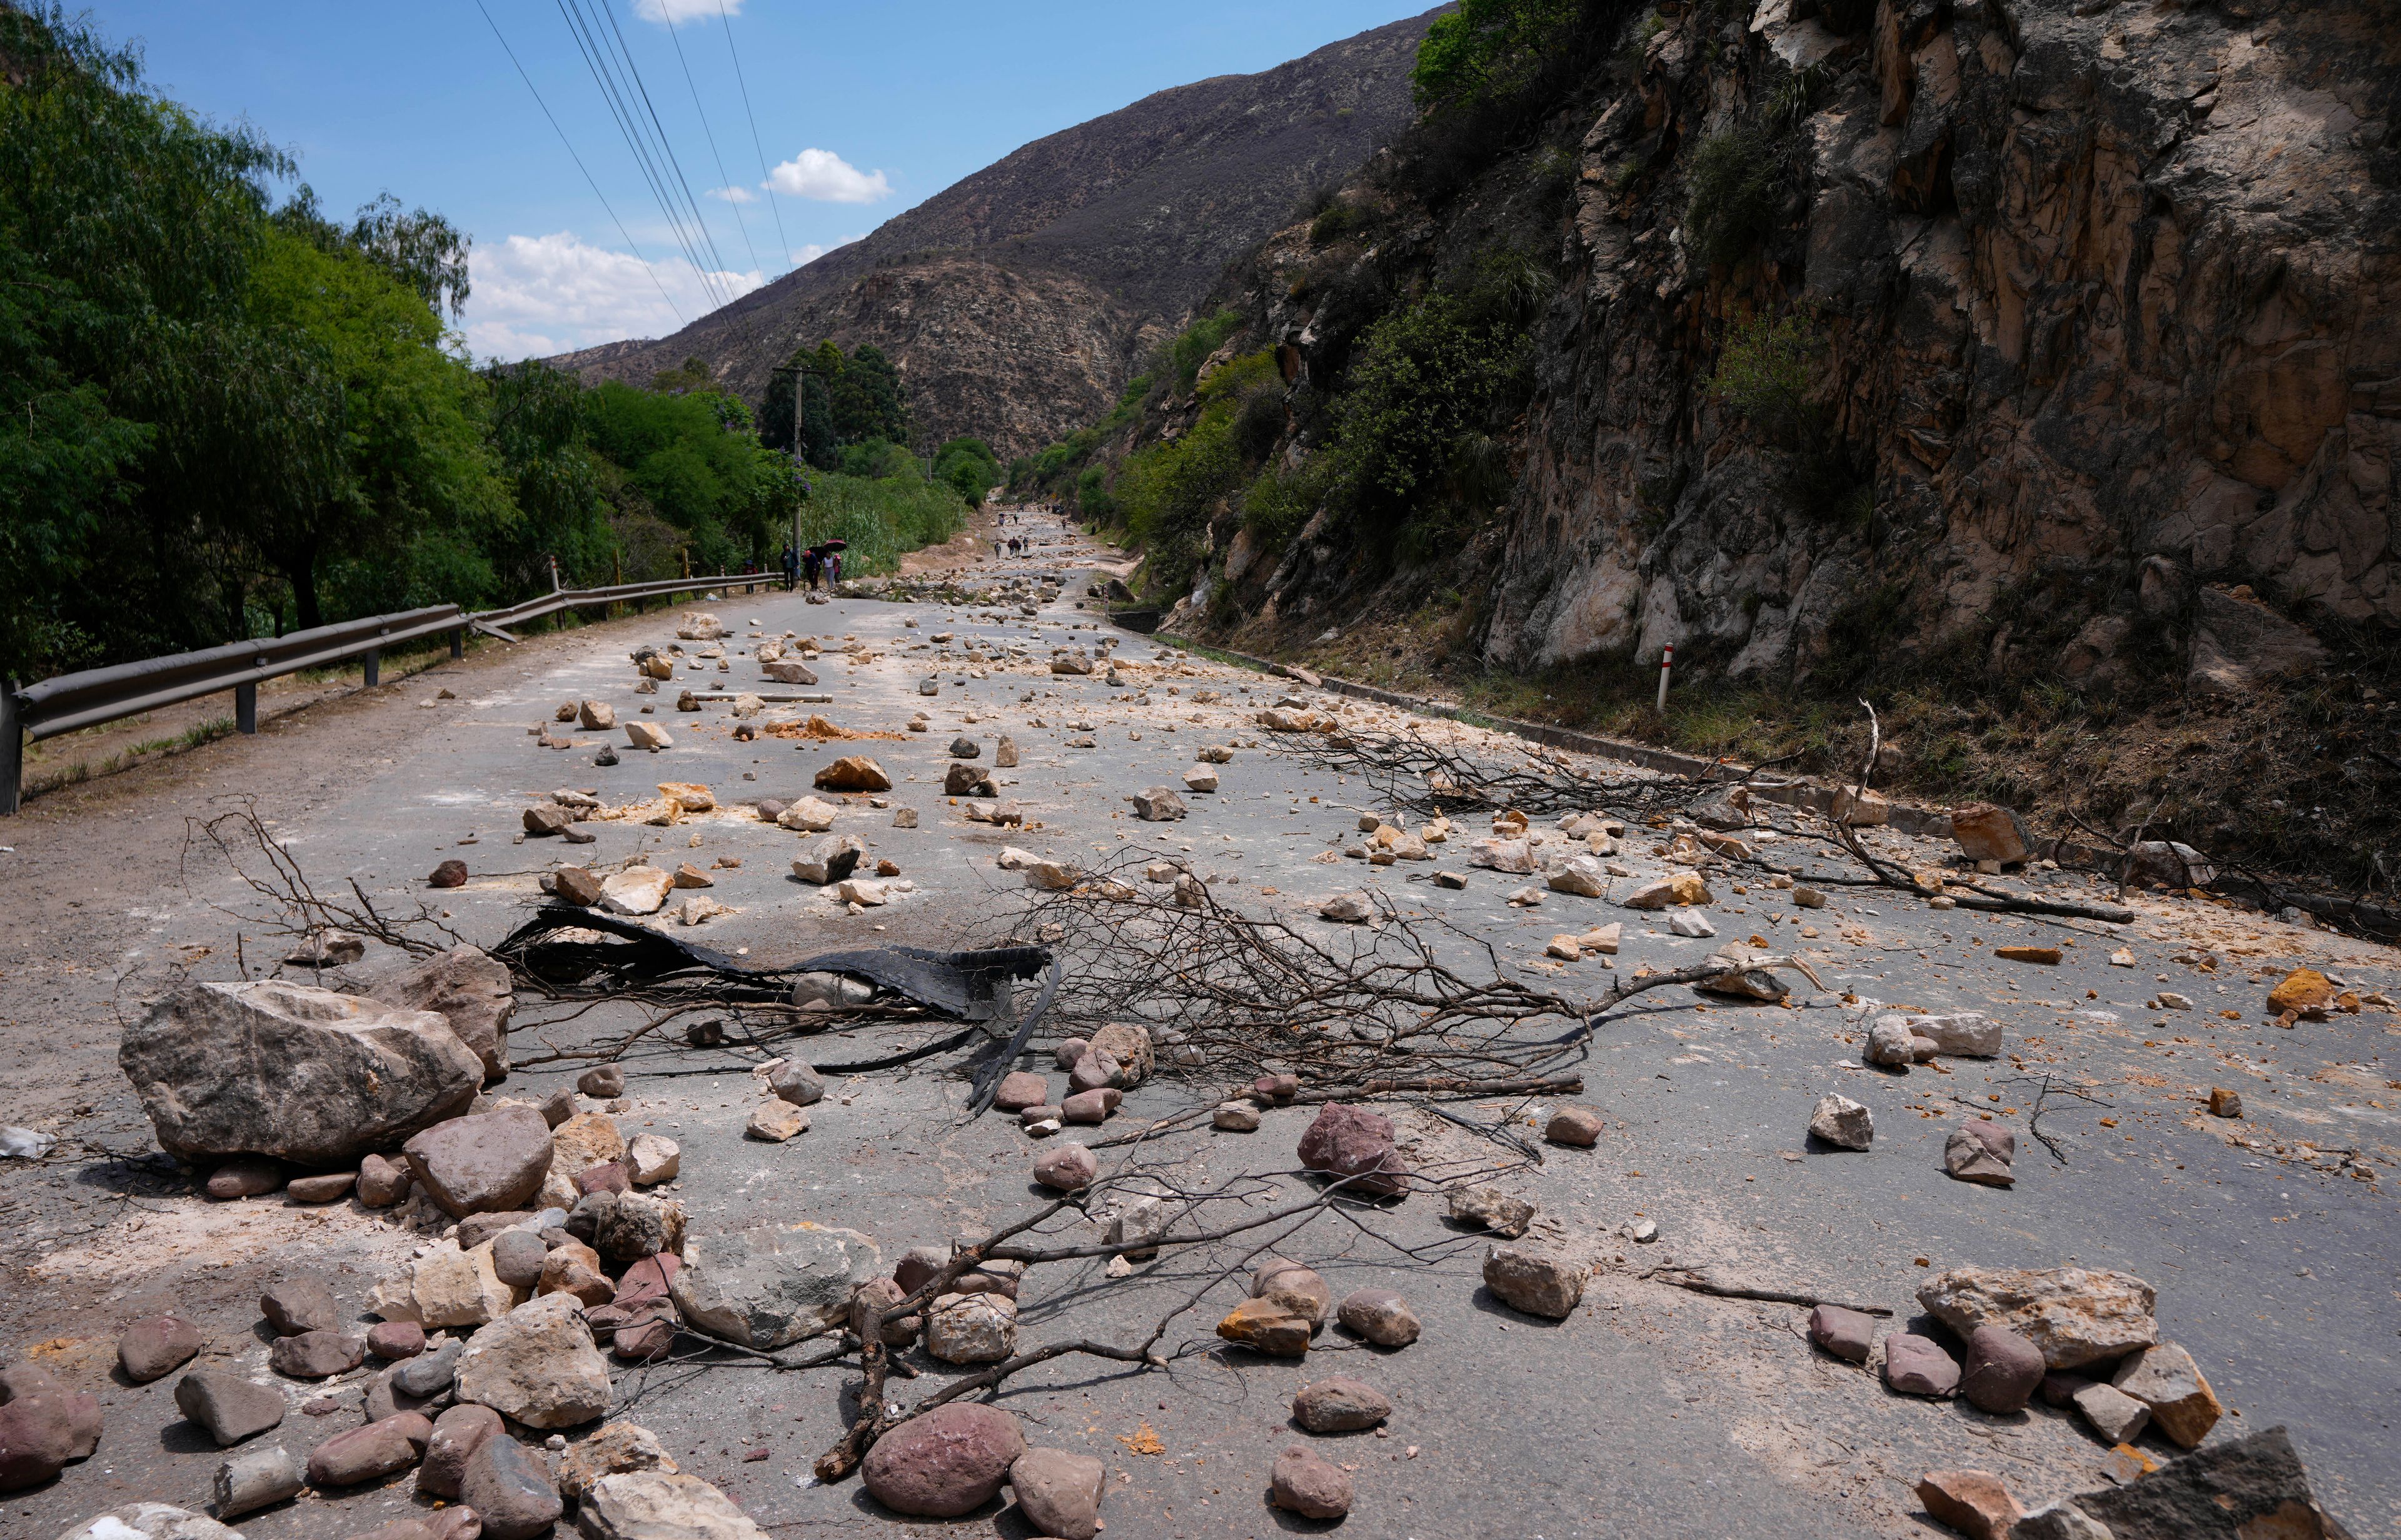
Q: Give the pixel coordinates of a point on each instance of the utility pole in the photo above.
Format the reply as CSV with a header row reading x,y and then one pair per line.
x,y
799,373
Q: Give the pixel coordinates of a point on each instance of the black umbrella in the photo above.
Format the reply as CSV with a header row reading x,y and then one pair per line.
x,y
836,545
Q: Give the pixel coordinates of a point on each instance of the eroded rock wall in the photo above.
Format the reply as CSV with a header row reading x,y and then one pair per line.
x,y
2106,290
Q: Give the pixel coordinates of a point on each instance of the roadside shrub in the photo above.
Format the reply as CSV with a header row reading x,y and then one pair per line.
x,y
1732,205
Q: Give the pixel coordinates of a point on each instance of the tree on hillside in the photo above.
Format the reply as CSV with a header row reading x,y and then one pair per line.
x,y
868,399
421,250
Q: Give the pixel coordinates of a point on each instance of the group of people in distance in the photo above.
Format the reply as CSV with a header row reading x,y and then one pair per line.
x,y
817,563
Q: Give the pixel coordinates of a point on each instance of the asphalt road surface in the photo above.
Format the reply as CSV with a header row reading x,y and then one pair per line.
x,y
1653,1410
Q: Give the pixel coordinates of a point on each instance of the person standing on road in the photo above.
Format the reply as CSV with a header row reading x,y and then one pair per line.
x,y
790,564
812,560
834,567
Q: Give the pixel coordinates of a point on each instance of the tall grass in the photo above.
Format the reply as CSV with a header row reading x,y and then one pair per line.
x,y
883,518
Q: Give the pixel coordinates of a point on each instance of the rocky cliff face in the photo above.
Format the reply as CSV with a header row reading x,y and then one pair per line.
x,y
1018,302
2111,300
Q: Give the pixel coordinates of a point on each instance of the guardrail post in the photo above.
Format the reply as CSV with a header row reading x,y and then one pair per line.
x,y
245,708
12,749
374,660
459,643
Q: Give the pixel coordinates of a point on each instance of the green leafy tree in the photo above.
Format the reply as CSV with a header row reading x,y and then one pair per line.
x,y
1487,48
407,494
126,231
867,398
969,468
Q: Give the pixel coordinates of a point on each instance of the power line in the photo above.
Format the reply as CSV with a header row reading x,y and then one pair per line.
x,y
677,166
629,126
578,164
765,177
710,134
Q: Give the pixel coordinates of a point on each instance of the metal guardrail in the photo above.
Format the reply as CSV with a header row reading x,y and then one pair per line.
x,y
71,702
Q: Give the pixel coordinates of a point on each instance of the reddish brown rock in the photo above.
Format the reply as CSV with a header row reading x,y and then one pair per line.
x,y
157,1346
1349,1142
366,1453
1304,1484
948,1461
489,1162
1972,1502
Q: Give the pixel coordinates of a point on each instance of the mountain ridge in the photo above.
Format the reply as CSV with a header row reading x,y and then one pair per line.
x,y
1017,301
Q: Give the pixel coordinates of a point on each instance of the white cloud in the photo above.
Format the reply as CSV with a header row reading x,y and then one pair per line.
x,y
811,252
535,295
733,195
675,13
829,178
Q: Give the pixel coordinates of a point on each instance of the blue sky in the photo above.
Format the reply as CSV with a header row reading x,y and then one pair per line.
x,y
862,111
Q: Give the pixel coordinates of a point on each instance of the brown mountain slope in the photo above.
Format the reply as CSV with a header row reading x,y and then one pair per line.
x,y
1017,301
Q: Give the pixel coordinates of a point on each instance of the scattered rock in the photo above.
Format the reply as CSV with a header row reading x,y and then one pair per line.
x,y
229,1407
618,1448
450,873
483,1164
829,860
349,1075
1156,804
2166,1380
383,1183
328,949
255,1479
1267,1325
1296,1288
972,1328
1492,1209
2224,1103
662,1505
394,1341
317,1355
1677,889
1972,1502
1845,1333
244,1178
1989,834
770,1285
1020,1090
509,1487
155,1346
776,1121
602,1081
151,1521
948,1461
326,1189
2047,956
1059,1492
1840,1121
1968,1034
1577,1126
652,1159
1918,1366
2242,1489
2170,862
2115,1416
1380,1316
1534,1281
2002,1372
1352,1143
430,1374
2074,1315
45,1426
1581,875
795,1082
648,735
637,890
366,1454
294,1305
537,1366
1979,1151
444,1288
1304,1484
1340,1405
1235,1118
458,1433
1692,923
1090,1106
854,773
1067,1167
576,885
1347,908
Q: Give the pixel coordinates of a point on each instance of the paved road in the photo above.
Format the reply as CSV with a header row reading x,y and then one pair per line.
x,y
1650,1411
